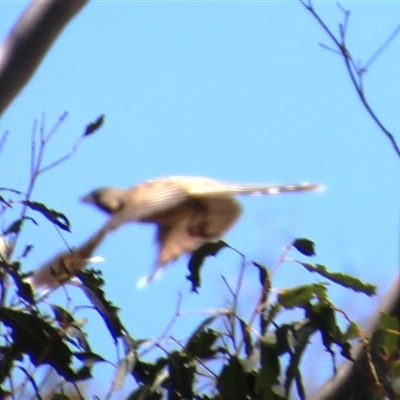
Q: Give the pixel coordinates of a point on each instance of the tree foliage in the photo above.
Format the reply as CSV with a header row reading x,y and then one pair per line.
x,y
229,355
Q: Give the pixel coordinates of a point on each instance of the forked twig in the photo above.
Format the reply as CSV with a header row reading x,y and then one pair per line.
x,y
356,72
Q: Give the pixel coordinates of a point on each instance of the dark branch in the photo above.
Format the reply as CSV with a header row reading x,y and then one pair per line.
x,y
355,72
28,42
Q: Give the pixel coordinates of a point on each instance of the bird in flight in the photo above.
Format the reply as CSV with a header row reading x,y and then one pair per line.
x,y
188,211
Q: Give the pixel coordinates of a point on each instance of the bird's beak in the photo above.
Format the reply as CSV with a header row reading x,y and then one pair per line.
x,y
87,199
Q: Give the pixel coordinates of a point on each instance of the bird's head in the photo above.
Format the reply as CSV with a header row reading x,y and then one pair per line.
x,y
107,199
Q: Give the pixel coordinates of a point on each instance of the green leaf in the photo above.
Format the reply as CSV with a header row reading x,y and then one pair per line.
x,y
299,296
16,226
181,376
304,246
24,289
264,276
301,338
232,381
200,344
43,344
197,260
94,126
269,372
391,326
146,373
53,216
246,329
344,280
380,368
92,288
63,317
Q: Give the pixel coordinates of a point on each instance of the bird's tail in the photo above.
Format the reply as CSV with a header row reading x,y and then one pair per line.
x,y
271,189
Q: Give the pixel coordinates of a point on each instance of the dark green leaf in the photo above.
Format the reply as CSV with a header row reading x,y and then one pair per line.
x,y
93,126
264,276
24,289
146,372
33,336
106,309
89,357
53,216
345,280
246,329
232,381
200,344
301,338
15,227
379,362
391,326
269,371
301,295
63,317
304,246
181,376
197,260
60,396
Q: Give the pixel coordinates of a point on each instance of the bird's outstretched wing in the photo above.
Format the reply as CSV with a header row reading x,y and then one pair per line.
x,y
188,211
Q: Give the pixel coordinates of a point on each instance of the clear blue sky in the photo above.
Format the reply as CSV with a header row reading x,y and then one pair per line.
x,y
237,91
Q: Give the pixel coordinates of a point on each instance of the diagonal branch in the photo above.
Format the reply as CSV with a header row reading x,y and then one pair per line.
x,y
355,72
28,42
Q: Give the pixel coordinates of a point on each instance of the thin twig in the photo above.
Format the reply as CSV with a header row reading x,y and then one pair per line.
x,y
382,48
169,326
352,69
3,140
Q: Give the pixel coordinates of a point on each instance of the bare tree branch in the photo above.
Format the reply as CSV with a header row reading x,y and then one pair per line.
x,y
355,72
29,40
352,380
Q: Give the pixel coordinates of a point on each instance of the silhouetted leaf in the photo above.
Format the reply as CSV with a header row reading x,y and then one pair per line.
x,y
27,250
339,278
15,227
200,344
246,329
197,259
304,246
39,340
146,373
63,317
4,201
270,370
24,289
181,376
93,126
322,316
106,309
89,357
3,189
264,276
300,339
232,381
53,216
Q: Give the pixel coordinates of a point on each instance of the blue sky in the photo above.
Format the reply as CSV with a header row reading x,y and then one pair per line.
x,y
236,91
